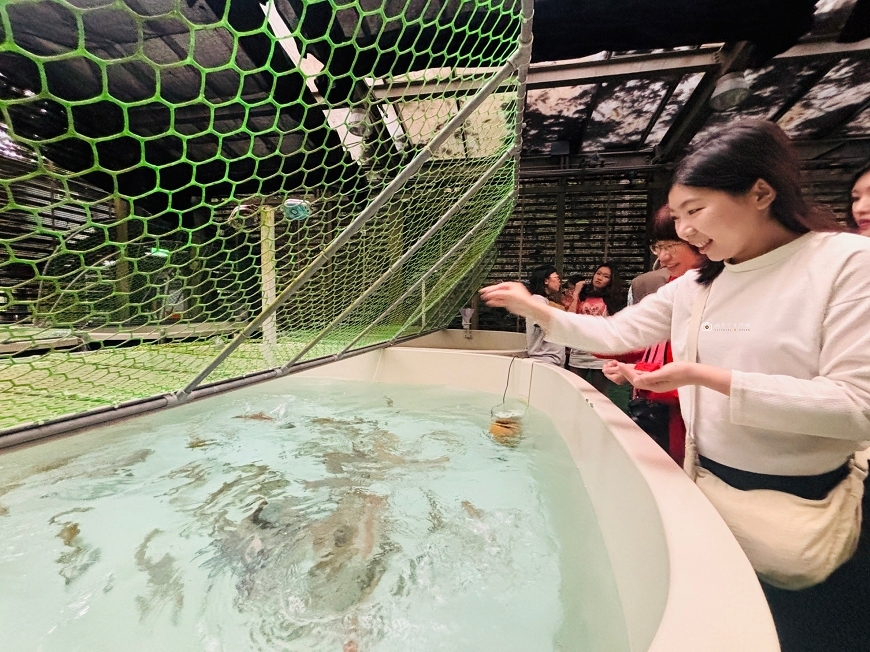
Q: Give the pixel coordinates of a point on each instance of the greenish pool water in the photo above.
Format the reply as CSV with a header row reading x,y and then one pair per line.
x,y
333,515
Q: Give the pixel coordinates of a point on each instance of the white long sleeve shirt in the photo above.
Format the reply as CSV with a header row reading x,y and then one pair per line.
x,y
793,325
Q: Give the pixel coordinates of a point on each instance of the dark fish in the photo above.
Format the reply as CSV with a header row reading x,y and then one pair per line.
x,y
256,416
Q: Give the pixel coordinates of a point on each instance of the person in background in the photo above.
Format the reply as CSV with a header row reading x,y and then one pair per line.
x,y
602,296
545,287
567,300
773,373
646,284
658,414
858,208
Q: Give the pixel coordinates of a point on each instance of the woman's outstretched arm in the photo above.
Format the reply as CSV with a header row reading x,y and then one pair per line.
x,y
633,328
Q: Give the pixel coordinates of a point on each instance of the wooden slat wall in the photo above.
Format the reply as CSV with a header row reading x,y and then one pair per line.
x,y
604,218
586,207
830,187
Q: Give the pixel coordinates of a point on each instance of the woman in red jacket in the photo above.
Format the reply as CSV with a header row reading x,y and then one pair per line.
x,y
659,414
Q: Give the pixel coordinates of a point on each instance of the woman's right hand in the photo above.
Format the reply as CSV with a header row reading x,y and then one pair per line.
x,y
577,289
511,295
613,372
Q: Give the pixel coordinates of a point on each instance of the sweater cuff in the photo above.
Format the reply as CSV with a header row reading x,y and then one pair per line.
x,y
739,404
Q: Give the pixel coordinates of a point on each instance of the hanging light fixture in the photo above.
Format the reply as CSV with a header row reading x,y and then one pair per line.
x,y
296,209
731,90
359,122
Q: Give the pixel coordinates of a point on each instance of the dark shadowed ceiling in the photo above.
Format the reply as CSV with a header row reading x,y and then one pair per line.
x,y
638,97
808,65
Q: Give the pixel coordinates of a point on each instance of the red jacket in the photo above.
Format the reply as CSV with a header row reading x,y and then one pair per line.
x,y
651,359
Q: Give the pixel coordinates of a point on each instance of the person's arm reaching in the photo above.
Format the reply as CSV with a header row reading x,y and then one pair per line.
x,y
634,328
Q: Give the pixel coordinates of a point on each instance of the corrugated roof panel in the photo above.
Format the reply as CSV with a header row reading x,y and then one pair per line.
x,y
623,112
423,118
487,129
860,126
830,15
830,102
553,114
681,95
772,87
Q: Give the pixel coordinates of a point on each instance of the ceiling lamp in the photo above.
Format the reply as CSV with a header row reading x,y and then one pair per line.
x,y
731,90
359,122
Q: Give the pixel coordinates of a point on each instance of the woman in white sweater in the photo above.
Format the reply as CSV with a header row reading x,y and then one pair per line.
x,y
779,396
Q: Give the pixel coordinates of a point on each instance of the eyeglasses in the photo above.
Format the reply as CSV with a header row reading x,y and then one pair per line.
x,y
668,248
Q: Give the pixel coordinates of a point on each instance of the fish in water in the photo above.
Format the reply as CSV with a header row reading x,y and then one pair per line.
x,y
329,562
164,581
471,510
77,556
256,416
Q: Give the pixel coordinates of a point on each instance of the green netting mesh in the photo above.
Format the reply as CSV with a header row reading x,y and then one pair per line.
x,y
169,167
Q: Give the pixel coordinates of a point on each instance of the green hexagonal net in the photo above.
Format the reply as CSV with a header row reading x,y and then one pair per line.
x,y
200,190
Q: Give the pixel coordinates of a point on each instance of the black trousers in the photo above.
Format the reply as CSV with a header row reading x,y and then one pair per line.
x,y
833,616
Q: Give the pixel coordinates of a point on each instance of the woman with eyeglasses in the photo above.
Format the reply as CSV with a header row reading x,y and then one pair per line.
x,y
658,413
545,287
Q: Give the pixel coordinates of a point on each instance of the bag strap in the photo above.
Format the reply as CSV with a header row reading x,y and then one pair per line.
x,y
695,323
690,463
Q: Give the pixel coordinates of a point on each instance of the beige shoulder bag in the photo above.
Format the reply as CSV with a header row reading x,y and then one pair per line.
x,y
791,542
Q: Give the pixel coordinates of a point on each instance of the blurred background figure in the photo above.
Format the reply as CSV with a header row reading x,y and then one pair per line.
x,y
546,287
858,208
646,284
602,295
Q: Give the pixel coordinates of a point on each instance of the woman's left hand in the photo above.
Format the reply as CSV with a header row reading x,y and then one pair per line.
x,y
678,374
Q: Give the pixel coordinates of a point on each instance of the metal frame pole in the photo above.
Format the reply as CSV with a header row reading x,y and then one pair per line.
x,y
421,311
525,52
267,277
432,270
487,175
367,214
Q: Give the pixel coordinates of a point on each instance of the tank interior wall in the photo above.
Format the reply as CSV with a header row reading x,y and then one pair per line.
x,y
681,576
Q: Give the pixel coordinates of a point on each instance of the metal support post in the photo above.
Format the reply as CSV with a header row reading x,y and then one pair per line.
x,y
267,279
121,235
363,218
456,247
423,304
487,175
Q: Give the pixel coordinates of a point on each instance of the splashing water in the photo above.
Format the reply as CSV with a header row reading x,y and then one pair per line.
x,y
331,516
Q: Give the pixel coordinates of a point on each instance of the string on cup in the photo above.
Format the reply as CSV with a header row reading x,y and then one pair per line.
x,y
506,424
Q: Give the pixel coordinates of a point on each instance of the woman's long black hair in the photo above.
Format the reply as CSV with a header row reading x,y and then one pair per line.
x,y
538,280
738,156
613,294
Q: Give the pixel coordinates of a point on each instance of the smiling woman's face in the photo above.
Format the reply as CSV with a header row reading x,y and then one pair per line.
x,y
677,257
719,224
